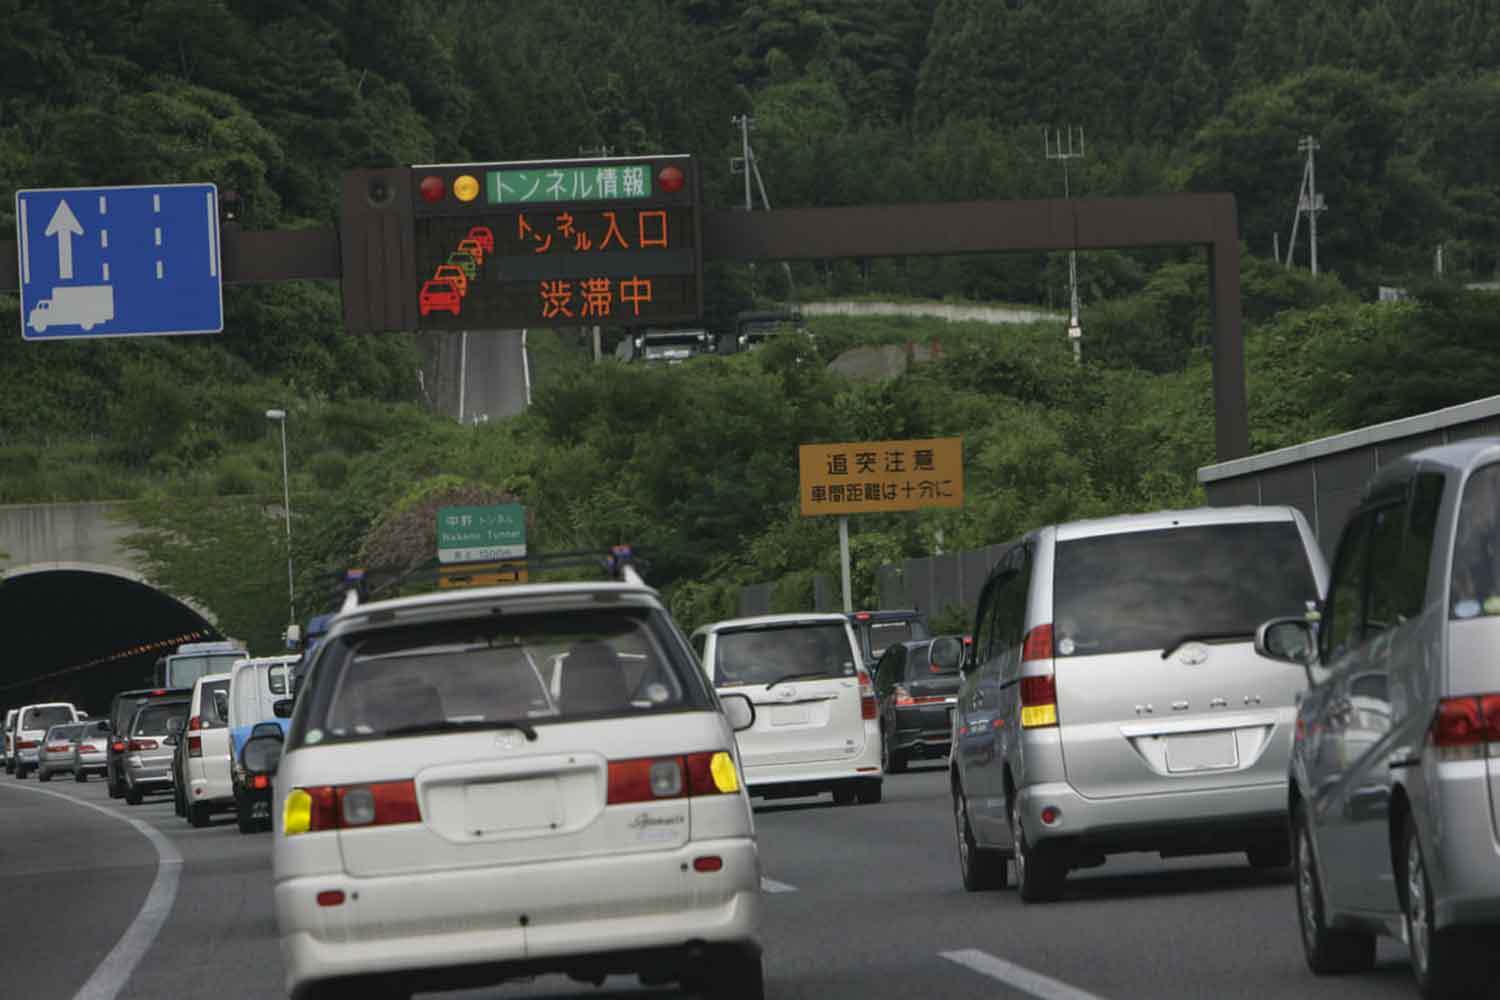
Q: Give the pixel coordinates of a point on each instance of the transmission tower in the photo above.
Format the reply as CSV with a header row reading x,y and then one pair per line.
x,y
1060,146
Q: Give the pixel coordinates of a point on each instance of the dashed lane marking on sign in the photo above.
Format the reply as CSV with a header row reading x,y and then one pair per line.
x,y
771,885
1017,977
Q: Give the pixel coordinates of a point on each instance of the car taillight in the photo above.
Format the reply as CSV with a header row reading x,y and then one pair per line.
x,y
648,779
867,705
26,745
195,723
1038,644
260,781
903,697
1464,727
195,746
1038,702
312,810
135,746
117,747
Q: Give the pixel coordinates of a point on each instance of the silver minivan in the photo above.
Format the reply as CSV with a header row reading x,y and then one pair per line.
x,y
1113,699
1395,775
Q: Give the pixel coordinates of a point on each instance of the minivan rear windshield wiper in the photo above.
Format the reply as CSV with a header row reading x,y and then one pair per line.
x,y
792,677
455,725
1181,641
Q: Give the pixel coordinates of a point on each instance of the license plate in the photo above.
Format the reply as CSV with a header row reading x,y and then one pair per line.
x,y
790,715
260,810
503,806
1202,752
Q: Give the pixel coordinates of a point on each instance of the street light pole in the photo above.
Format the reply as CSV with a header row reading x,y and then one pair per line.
x,y
286,495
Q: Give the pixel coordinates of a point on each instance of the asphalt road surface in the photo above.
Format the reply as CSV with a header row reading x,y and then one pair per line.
x,y
490,364
862,902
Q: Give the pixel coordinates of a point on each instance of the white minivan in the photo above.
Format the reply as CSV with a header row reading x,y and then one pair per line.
x,y
206,764
32,723
817,723
255,687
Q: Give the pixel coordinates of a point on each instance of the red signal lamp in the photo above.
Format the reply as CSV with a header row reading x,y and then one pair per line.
x,y
432,188
670,179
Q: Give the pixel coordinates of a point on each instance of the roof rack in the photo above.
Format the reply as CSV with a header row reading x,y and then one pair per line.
x,y
361,584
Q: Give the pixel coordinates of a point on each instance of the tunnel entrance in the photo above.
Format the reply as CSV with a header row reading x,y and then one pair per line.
x,y
80,632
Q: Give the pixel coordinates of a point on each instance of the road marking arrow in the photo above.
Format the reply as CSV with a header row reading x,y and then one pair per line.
x,y
64,226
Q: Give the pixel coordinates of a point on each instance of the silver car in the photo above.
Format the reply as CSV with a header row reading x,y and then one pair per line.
x,y
1395,776
148,755
91,750
55,755
1113,700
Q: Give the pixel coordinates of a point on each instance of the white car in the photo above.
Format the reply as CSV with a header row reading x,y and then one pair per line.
x,y
210,780
32,723
817,725
443,819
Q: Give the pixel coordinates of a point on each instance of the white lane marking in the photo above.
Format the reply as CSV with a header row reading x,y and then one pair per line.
x,y
213,236
25,257
103,206
104,238
156,203
771,885
106,271
158,235
1016,977
158,269
112,974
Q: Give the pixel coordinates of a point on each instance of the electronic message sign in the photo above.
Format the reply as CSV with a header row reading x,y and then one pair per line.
x,y
560,243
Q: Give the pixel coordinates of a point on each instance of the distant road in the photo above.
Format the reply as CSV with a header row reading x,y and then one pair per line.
x,y
493,367
938,310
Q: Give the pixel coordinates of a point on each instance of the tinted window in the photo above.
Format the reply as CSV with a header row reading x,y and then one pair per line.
x,y
213,704
1344,608
45,717
152,719
762,655
984,622
64,733
1476,548
1383,608
883,634
1416,553
276,677
540,668
184,669
1146,589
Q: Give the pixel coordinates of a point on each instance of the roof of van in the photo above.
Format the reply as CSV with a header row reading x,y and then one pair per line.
x,y
1157,520
801,617
1457,456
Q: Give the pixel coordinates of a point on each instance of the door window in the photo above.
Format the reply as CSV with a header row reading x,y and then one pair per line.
x,y
1476,549
984,624
1385,607
1344,608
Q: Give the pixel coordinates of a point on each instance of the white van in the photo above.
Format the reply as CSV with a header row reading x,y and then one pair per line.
x,y
32,723
206,763
255,686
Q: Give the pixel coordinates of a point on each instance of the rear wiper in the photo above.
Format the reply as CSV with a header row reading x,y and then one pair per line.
x,y
792,677
1181,641
448,726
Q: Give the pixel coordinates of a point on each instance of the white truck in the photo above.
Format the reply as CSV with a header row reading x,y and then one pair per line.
x,y
84,305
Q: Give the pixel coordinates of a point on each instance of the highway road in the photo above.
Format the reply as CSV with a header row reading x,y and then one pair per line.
x,y
861,903
478,376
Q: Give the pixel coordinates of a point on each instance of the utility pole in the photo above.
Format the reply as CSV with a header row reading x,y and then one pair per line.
x,y
1055,149
1309,202
747,164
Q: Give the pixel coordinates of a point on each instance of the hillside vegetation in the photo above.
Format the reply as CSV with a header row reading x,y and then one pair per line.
x,y
881,101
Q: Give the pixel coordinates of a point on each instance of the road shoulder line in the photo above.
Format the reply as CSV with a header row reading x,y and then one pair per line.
x,y
1017,977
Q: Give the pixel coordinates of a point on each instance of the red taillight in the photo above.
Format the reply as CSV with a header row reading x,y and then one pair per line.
x,y
159,691
1463,726
862,616
1038,702
59,747
1038,645
383,804
88,748
117,747
260,781
136,746
708,863
26,744
195,724
868,707
648,779
195,746
331,897
903,697
323,811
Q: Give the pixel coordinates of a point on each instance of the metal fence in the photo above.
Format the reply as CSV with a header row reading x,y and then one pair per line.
x,y
930,584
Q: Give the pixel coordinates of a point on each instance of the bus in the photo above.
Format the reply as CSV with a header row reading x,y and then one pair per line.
x,y
195,659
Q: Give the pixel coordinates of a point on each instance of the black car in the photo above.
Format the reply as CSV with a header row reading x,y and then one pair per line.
x,y
121,708
916,685
877,630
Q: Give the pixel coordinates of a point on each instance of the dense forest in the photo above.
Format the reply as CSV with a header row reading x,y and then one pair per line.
x,y
853,102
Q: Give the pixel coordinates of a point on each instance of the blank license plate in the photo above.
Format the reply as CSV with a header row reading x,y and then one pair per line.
x,y
501,806
1202,752
790,715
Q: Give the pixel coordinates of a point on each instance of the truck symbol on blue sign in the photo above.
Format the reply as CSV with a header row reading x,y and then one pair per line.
x,y
119,261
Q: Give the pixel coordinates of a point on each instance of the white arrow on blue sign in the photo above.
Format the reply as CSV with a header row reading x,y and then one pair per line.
x,y
119,261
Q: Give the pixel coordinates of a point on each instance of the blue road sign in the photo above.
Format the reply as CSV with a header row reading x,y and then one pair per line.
x,y
119,261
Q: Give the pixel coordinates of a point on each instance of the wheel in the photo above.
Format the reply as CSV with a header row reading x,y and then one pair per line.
x,y
179,803
891,759
81,776
20,772
44,776
1039,871
244,816
869,791
981,869
1277,855
113,786
736,977
1328,951
1450,962
132,795
197,815
844,795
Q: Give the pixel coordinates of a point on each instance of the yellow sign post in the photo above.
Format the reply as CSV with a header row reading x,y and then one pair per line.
x,y
871,477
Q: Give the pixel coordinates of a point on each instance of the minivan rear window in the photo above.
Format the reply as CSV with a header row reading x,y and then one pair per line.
x,y
152,719
1148,589
766,654
45,717
1476,549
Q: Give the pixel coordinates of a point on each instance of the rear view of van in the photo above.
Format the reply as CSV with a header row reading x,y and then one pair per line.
x,y
1122,700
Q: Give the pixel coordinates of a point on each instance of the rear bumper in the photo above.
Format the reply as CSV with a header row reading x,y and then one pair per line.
x,y
207,791
478,926
54,765
809,779
1175,823
926,729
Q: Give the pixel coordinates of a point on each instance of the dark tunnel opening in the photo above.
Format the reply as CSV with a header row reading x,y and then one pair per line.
x,y
81,634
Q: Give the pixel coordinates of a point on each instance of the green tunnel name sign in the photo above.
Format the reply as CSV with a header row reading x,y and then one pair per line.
x,y
476,534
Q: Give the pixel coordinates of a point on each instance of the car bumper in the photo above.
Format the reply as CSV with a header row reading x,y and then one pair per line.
x,y
1197,822
925,729
811,778
27,757
1467,869
203,791
427,928
92,762
149,773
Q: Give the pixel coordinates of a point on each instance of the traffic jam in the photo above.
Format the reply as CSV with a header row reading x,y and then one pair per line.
x,y
499,784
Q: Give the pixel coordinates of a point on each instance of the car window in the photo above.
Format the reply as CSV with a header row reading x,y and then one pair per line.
x,y
63,733
1146,589
45,717
883,634
151,720
1476,547
276,678
1343,610
371,682
763,654
213,704
1383,607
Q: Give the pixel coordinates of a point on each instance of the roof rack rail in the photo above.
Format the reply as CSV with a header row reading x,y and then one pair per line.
x,y
359,585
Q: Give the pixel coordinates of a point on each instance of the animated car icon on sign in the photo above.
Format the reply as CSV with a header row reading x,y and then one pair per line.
x,y
473,247
465,260
484,237
455,274
439,295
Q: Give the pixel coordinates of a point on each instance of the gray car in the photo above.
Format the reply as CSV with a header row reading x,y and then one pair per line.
x,y
91,750
1113,700
1395,778
55,755
148,755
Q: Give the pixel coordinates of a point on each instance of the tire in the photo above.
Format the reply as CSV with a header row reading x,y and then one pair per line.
x,y
736,978
132,795
179,804
244,817
869,792
892,760
1329,952
980,870
1270,856
81,776
197,815
113,786
44,776
1450,962
1040,872
844,795
20,772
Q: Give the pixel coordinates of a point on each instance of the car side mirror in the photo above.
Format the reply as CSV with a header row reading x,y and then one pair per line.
x,y
174,726
169,740
268,729
282,708
946,655
261,754
1290,640
739,710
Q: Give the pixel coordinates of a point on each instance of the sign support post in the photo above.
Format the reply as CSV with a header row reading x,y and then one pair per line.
x,y
844,561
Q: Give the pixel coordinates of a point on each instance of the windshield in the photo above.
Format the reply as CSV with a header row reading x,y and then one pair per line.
x,y
1148,589
884,635
45,717
152,720
185,668
538,668
64,734
1476,549
767,654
